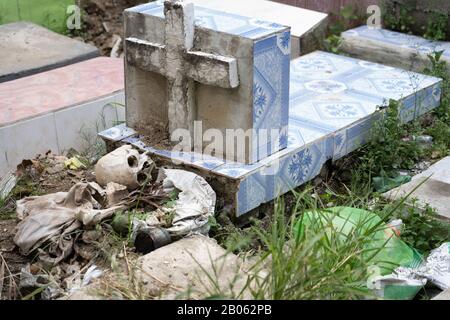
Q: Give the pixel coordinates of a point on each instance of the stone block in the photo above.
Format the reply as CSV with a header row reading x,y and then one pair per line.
x,y
303,22
393,48
26,49
259,101
187,264
430,187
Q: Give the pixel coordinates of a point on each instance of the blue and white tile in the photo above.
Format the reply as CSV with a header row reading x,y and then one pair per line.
x,y
320,65
117,133
252,193
237,170
271,93
285,174
331,114
247,27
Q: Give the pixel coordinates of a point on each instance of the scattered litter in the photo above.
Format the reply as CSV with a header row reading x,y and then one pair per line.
x,y
64,229
405,283
65,279
189,213
150,239
399,285
437,267
92,273
420,167
396,226
391,251
7,184
75,163
424,139
195,204
53,218
116,47
115,193
384,183
41,285
32,168
125,166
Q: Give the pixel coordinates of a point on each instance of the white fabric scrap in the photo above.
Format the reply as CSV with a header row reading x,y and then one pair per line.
x,y
195,204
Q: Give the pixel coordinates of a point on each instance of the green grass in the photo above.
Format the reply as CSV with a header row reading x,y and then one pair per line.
x,y
316,264
47,13
437,27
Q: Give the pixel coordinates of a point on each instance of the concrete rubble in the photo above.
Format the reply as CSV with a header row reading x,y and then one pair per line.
x,y
182,270
431,187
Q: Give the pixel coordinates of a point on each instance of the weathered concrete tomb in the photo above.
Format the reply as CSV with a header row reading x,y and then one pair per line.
x,y
187,64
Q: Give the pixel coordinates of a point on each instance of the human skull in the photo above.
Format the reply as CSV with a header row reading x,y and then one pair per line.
x,y
125,166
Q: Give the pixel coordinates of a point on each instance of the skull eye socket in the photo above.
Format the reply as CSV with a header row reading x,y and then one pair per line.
x,y
132,161
146,165
141,178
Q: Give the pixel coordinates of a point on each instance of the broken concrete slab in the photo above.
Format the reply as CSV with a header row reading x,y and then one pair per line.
x,y
59,109
392,48
303,22
445,295
26,49
430,187
185,266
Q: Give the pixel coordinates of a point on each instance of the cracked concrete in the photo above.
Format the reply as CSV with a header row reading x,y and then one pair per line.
x,y
180,65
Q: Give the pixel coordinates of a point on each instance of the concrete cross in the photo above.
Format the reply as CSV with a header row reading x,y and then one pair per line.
x,y
182,66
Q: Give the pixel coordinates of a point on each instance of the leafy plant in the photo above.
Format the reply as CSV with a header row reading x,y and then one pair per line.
x,y
437,27
440,126
439,68
398,19
421,228
345,18
333,43
388,148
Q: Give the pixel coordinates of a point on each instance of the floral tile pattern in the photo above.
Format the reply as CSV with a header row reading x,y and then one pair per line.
x,y
271,94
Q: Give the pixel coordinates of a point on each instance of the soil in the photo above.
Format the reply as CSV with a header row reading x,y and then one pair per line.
x,y
48,174
10,255
103,22
155,137
43,175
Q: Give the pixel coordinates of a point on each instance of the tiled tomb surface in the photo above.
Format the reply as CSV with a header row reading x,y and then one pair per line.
x,y
261,51
392,48
333,101
26,49
59,109
303,22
